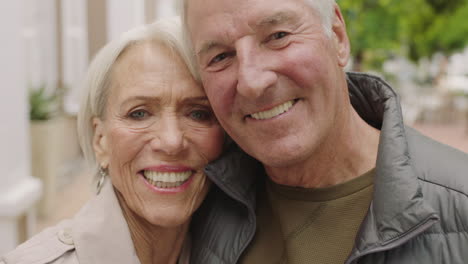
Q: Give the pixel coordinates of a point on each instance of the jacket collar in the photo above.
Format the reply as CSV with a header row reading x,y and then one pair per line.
x,y
398,207
236,173
225,223
100,232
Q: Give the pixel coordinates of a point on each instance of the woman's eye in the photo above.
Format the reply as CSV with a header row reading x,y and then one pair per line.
x,y
200,115
138,114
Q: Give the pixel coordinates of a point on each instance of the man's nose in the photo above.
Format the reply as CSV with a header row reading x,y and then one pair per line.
x,y
168,137
255,76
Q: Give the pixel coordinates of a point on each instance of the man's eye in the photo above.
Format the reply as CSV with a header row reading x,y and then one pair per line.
x,y
221,57
278,35
138,114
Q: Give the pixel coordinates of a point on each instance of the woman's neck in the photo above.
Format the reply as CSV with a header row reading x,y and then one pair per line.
x,y
153,244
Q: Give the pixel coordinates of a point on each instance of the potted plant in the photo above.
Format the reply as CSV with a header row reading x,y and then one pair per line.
x,y
44,128
43,105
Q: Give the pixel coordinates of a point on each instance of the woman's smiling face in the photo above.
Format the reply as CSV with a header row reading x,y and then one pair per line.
x,y
157,134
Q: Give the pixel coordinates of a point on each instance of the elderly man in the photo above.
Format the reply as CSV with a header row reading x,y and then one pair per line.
x,y
342,179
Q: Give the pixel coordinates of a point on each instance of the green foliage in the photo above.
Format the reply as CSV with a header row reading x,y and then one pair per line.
x,y
440,29
416,28
444,6
372,28
42,104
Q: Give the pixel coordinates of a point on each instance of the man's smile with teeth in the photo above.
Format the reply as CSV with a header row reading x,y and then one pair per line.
x,y
167,179
275,111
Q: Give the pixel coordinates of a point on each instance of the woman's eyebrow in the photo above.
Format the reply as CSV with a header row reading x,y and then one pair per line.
x,y
140,98
198,99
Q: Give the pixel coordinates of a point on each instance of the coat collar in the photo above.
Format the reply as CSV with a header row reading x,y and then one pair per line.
x,y
226,219
398,206
100,232
236,173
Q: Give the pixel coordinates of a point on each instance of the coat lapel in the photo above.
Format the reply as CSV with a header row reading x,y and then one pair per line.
x,y
100,232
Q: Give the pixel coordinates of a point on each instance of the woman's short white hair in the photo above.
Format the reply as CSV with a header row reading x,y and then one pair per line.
x,y
166,32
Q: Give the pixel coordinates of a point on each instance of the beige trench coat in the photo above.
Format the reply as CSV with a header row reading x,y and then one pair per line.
x,y
98,234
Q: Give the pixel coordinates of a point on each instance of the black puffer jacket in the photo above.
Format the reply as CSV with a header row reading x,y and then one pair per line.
x,y
419,211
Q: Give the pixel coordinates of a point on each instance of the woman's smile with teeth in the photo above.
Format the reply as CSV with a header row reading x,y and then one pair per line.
x,y
275,111
167,179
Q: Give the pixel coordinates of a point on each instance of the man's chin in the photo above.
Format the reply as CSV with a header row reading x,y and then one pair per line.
x,y
280,159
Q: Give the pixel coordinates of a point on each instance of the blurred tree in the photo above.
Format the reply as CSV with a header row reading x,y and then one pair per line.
x,y
373,28
443,27
417,28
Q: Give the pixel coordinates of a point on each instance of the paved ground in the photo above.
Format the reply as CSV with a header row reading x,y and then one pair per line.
x,y
78,190
455,135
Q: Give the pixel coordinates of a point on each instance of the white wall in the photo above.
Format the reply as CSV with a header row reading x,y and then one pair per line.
x,y
18,190
123,15
165,8
40,42
14,150
75,50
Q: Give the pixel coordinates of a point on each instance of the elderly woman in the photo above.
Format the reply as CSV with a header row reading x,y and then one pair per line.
x,y
147,127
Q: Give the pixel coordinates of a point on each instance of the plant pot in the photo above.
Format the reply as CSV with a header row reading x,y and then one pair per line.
x,y
53,143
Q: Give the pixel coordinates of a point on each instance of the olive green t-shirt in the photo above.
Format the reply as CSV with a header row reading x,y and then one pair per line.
x,y
298,225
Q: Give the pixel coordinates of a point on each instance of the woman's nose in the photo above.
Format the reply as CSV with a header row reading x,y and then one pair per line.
x,y
168,137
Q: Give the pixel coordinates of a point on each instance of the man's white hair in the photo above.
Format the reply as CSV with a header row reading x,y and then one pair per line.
x,y
166,32
325,8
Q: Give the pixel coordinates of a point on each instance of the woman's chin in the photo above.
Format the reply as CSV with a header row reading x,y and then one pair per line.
x,y
168,221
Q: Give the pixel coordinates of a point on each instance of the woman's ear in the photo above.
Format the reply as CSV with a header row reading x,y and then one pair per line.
x,y
100,145
340,37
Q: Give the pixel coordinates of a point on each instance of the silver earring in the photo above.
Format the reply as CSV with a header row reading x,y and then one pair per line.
x,y
102,176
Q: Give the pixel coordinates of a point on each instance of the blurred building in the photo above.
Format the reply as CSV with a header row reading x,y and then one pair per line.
x,y
49,43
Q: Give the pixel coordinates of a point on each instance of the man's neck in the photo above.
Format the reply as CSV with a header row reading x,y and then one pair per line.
x,y
348,152
153,244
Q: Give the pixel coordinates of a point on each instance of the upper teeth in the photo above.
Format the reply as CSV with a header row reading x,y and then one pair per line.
x,y
275,111
167,176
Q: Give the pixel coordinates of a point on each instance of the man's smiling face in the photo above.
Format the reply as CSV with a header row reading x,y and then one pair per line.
x,y
272,74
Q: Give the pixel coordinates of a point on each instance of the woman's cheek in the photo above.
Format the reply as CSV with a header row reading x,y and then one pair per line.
x,y
209,142
127,142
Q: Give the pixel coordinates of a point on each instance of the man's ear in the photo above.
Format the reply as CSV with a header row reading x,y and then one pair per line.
x,y
100,145
340,37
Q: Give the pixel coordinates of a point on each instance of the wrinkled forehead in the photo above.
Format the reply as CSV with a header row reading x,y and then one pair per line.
x,y
222,21
194,9
234,12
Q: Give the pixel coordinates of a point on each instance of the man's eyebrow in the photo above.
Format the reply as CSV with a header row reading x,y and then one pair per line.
x,y
207,46
278,18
